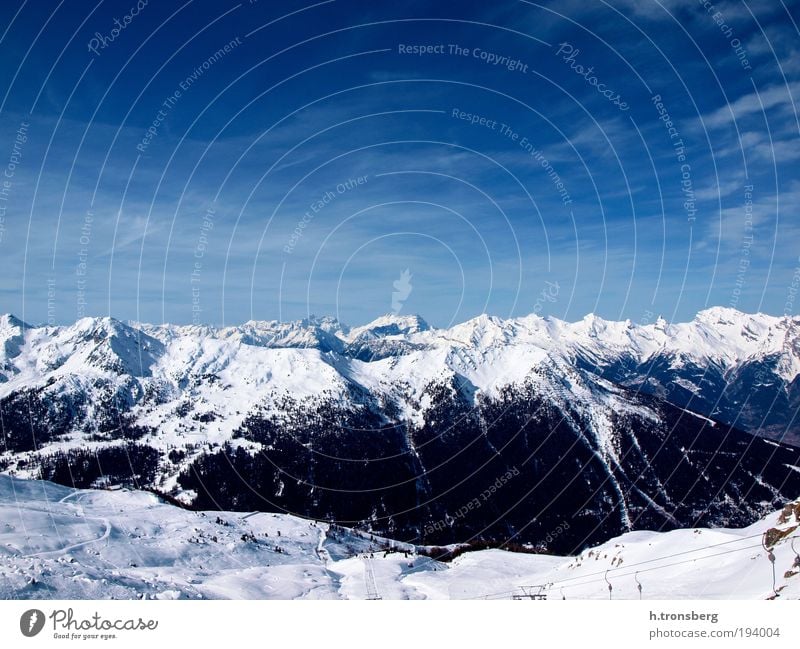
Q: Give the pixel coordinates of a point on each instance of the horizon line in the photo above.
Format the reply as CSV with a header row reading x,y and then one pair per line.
x,y
642,322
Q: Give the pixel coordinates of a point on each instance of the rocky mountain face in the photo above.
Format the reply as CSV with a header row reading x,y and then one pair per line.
x,y
492,429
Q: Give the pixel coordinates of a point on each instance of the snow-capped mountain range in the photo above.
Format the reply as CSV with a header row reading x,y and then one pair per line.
x,y
311,357
396,423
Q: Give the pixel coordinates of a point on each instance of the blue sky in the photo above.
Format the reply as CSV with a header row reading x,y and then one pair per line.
x,y
301,156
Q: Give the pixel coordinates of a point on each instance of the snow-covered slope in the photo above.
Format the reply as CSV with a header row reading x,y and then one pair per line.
x,y
409,420
59,543
698,563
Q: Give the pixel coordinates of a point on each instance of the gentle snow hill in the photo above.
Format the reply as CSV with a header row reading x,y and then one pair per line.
x,y
59,543
62,543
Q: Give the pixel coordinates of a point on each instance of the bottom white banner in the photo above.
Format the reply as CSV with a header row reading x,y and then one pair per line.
x,y
40,623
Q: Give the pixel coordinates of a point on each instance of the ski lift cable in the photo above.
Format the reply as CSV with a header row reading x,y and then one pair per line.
x,y
668,565
671,556
504,594
559,582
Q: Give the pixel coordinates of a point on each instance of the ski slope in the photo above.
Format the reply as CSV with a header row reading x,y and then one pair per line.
x,y
59,543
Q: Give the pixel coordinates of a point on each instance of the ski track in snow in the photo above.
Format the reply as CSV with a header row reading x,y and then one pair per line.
x,y
106,533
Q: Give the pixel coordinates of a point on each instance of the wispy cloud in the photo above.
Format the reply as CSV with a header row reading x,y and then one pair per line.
x,y
751,104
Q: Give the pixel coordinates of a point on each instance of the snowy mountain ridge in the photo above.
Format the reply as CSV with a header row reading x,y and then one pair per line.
x,y
719,336
317,356
718,332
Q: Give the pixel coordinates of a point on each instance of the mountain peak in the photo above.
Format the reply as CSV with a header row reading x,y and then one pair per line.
x,y
106,326
724,315
10,321
393,324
